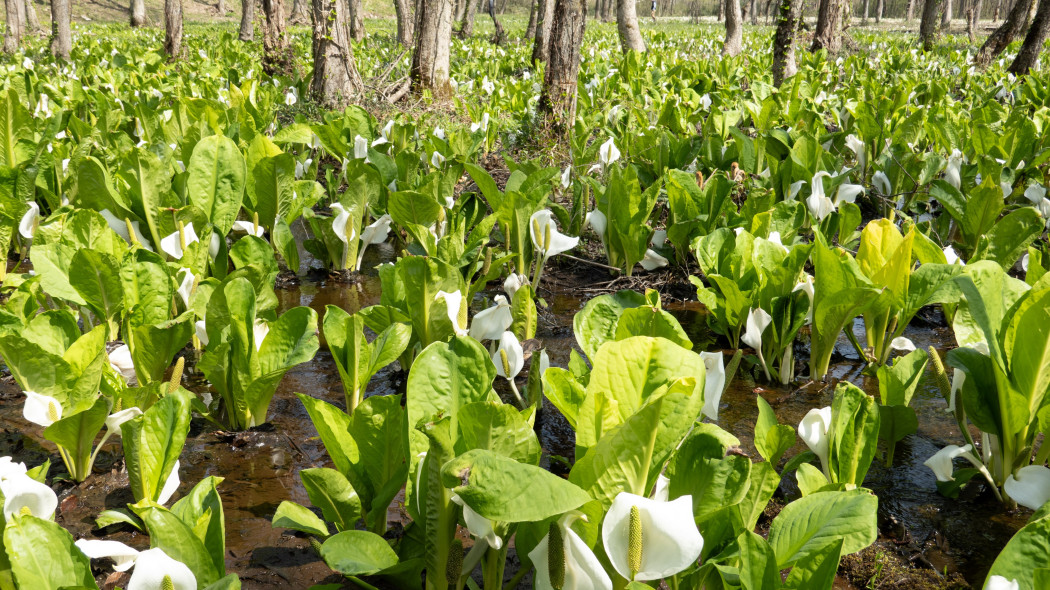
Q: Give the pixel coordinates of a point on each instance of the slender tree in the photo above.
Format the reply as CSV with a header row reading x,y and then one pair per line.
x,y
911,11
405,22
336,81
247,20
627,25
928,24
32,22
828,34
1004,35
138,13
430,60
300,12
1033,41
61,36
500,36
530,30
946,15
784,41
220,7
733,44
276,53
466,26
880,7
558,99
541,46
357,20
15,28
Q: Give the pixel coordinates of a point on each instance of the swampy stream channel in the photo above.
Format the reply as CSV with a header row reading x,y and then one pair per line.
x,y
925,540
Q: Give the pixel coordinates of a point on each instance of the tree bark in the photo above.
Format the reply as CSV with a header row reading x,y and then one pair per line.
x,y
784,41
733,44
32,23
946,15
541,46
928,24
247,20
466,27
500,35
220,7
722,12
627,25
1033,41
911,10
879,8
300,12
607,10
15,26
972,17
138,13
336,81
405,22
828,34
357,20
1004,35
430,60
558,99
530,30
277,57
864,20
754,13
61,37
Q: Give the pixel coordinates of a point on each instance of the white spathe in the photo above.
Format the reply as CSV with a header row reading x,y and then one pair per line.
x,y
653,260
172,244
200,328
855,144
1029,486
806,285
185,289
598,222
714,382
513,283
120,359
902,344
360,148
757,321
22,492
491,323
28,223
153,567
813,430
509,344
248,227
952,257
374,233
10,469
170,485
820,206
339,223
42,410
546,238
941,461
1001,583
608,153
114,420
259,332
479,526
583,571
670,539
123,556
453,304
952,171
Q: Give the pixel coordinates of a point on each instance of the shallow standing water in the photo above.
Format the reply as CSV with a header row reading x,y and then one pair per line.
x,y
261,467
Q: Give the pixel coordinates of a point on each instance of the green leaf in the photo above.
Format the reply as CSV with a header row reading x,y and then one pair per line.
x,y
216,180
201,509
330,491
772,439
153,442
819,569
358,553
596,323
294,516
42,555
1027,552
632,370
447,376
814,520
179,541
758,564
897,384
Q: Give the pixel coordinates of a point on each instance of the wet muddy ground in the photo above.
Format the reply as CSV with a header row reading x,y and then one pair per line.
x,y
926,540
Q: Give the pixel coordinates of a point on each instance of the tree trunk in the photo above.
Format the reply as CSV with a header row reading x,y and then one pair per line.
x,y
300,13
500,35
357,20
1033,41
541,47
607,10
466,28
220,7
864,20
733,44
928,24
722,12
1004,35
530,30
336,81
559,85
946,15
15,26
405,21
461,9
32,23
138,13
754,13
247,20
277,56
879,8
971,21
784,41
627,25
911,10
829,27
430,60
61,37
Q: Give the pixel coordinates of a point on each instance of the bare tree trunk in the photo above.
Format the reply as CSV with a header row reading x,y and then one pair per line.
x,y
405,21
32,23
971,20
277,57
997,11
828,34
722,12
1004,35
607,10
946,15
864,21
880,7
336,81
300,13
784,41
911,10
928,24
733,44
541,47
500,35
220,7
430,60
559,85
61,37
530,30
1033,41
138,13
466,27
461,9
357,20
754,13
627,25
247,20
15,26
